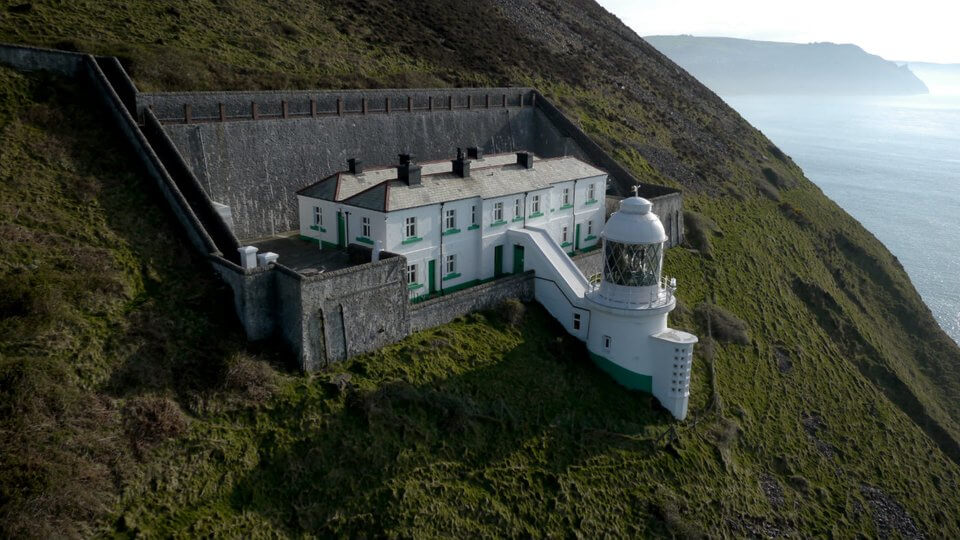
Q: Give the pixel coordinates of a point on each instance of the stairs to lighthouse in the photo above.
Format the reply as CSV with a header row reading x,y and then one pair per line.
x,y
560,286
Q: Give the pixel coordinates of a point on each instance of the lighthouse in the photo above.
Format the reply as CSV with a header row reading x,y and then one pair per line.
x,y
628,336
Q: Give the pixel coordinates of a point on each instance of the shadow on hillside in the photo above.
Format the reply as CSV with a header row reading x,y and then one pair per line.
x,y
505,432
178,331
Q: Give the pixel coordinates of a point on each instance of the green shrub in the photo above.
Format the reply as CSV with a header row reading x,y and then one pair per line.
x,y
512,311
724,325
698,229
254,379
149,420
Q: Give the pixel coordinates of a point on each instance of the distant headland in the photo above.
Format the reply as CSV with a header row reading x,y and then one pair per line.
x,y
730,66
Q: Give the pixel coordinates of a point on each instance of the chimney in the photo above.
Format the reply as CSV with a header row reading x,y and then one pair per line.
x,y
266,259
248,257
461,166
405,158
474,152
356,166
409,173
525,160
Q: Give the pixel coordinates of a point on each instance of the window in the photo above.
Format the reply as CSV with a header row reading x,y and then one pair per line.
x,y
498,211
317,216
365,227
411,274
563,234
591,192
566,196
411,228
606,343
590,227
451,264
450,219
517,212
473,215
536,204
576,321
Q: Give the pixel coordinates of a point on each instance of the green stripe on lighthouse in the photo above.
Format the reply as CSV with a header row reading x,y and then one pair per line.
x,y
630,379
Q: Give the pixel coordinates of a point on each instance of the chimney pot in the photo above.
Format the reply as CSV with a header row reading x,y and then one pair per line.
x,y
475,152
408,172
461,166
405,158
356,166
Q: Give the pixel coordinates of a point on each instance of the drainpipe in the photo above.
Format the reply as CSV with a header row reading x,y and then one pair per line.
x,y
574,209
524,209
442,265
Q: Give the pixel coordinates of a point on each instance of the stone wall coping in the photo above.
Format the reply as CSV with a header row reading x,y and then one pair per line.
x,y
351,91
472,291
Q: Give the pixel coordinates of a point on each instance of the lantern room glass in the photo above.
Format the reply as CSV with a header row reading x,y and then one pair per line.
x,y
632,265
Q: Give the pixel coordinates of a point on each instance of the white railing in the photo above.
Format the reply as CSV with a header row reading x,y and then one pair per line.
x,y
655,298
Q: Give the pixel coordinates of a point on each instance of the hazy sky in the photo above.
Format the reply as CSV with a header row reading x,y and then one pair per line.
x,y
917,30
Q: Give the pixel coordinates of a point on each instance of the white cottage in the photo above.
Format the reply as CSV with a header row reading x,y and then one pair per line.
x,y
450,219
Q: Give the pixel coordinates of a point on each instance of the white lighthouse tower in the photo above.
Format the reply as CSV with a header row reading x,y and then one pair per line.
x,y
624,320
628,336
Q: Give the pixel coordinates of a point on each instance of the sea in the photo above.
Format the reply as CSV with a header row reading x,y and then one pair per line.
x,y
893,163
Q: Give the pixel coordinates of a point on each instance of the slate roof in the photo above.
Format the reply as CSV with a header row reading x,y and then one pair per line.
x,y
493,176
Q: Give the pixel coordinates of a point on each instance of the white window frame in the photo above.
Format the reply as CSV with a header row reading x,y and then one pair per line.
x,y
535,205
591,192
317,216
606,342
498,211
576,321
410,227
566,196
451,263
450,219
517,210
365,226
589,227
564,231
473,215
412,274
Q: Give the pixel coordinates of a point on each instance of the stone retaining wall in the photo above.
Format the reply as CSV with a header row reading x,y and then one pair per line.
x,y
444,309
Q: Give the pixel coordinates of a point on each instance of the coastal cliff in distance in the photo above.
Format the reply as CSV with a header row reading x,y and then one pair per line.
x,y
730,66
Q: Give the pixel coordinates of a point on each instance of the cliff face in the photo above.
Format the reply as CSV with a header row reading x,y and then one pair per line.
x,y
740,66
827,404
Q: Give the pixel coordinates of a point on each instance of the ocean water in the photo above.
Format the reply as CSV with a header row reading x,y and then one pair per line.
x,y
893,163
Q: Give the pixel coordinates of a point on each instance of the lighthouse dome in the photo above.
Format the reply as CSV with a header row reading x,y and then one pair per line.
x,y
634,223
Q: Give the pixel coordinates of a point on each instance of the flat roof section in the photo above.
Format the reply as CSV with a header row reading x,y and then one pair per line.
x,y
304,256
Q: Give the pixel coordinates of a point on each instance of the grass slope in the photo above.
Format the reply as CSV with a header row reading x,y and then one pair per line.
x,y
839,416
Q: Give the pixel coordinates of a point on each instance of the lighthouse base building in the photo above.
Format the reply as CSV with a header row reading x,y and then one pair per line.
x,y
462,223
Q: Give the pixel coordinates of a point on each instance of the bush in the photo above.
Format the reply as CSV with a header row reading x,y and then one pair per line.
x,y
768,191
777,153
698,230
794,214
724,325
149,420
774,178
512,311
255,379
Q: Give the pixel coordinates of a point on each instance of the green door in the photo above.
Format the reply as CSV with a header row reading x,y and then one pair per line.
x,y
432,276
517,259
576,239
341,230
497,261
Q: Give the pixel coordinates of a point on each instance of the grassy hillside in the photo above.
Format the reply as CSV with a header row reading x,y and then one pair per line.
x,y
131,405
